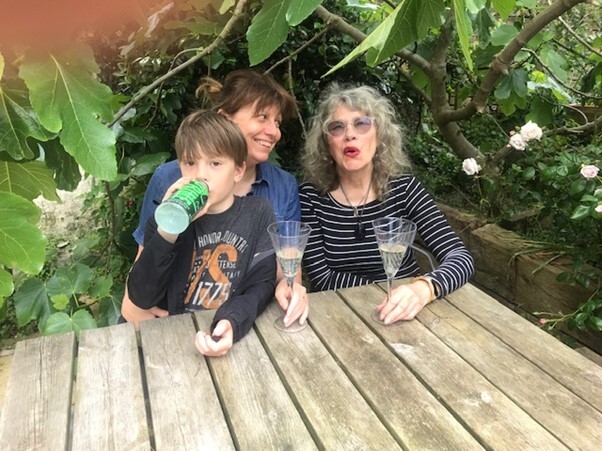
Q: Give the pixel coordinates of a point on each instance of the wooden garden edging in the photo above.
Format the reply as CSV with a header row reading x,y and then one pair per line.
x,y
523,280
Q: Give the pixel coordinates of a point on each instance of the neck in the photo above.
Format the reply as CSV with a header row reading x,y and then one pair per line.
x,y
243,187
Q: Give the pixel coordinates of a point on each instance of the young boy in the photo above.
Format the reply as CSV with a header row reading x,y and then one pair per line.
x,y
224,260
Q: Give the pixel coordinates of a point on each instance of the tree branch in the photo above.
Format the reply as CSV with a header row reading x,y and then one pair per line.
x,y
590,127
300,49
341,25
503,60
579,38
210,48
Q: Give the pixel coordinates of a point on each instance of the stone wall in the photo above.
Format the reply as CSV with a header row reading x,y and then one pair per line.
x,y
523,279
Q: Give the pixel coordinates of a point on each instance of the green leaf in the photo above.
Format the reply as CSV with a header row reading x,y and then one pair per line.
x,y
542,112
595,323
66,169
226,5
82,319
70,281
483,23
504,7
59,301
464,30
529,173
555,62
58,323
268,30
581,212
6,284
18,122
101,287
406,24
514,83
22,244
32,303
503,34
148,163
577,186
28,180
67,97
299,10
61,322
475,6
109,311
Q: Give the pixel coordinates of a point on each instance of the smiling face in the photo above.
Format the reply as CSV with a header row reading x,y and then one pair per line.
x,y
261,129
352,151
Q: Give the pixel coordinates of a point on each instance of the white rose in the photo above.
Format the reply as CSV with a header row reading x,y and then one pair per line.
x,y
531,131
518,142
470,166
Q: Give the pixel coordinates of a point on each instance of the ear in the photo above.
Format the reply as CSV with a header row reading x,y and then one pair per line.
x,y
240,171
222,112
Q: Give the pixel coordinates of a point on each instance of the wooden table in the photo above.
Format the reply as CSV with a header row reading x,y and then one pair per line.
x,y
467,374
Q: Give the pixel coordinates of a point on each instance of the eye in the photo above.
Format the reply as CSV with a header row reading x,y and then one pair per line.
x,y
335,128
216,163
362,124
189,163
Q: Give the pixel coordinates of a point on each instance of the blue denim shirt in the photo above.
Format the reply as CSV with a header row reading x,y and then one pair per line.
x,y
273,183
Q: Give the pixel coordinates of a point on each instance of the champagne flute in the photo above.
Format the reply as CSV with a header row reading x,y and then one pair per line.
x,y
394,236
289,239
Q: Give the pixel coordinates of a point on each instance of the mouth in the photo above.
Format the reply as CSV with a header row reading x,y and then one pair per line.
x,y
265,144
351,151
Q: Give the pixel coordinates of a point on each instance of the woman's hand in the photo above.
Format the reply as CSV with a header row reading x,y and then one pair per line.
x,y
218,343
406,302
294,302
134,314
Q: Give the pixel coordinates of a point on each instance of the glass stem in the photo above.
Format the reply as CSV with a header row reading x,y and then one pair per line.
x,y
388,289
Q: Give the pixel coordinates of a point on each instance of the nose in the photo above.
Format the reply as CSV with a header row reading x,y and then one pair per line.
x,y
201,173
271,128
349,132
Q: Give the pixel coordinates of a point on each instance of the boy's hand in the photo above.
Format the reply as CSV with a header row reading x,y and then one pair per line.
x,y
218,343
134,314
294,302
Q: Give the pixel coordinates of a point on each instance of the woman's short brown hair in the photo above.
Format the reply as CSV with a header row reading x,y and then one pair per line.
x,y
244,87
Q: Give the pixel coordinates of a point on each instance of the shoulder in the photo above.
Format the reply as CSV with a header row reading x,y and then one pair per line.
x,y
273,173
258,204
308,189
167,173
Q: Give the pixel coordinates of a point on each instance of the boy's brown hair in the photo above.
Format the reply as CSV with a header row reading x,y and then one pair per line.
x,y
211,133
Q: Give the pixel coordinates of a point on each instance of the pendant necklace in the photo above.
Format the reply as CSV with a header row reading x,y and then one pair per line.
x,y
360,229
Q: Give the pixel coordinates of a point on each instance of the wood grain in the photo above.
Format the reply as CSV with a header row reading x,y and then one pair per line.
x,y
35,415
262,414
338,415
570,419
109,411
492,417
406,406
577,373
185,409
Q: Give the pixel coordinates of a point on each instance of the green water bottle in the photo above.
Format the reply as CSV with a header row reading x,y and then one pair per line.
x,y
175,214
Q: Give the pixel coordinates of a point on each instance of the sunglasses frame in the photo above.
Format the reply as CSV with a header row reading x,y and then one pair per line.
x,y
346,124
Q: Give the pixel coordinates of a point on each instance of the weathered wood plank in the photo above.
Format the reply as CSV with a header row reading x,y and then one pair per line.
x,y
574,422
109,411
260,410
497,421
411,412
35,415
577,373
185,409
339,417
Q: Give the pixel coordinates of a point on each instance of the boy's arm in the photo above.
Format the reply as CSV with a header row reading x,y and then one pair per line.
x,y
148,280
255,292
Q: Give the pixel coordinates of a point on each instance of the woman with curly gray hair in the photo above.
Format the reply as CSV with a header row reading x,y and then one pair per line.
x,y
356,171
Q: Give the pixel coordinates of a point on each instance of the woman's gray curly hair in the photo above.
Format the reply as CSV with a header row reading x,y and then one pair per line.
x,y
389,160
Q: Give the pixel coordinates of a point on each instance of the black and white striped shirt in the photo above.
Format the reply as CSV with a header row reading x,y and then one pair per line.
x,y
335,258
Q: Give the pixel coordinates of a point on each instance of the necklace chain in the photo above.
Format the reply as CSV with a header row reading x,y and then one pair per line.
x,y
361,202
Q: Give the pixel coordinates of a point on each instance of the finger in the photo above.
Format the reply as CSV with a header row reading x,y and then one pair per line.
x,y
292,312
159,312
304,315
